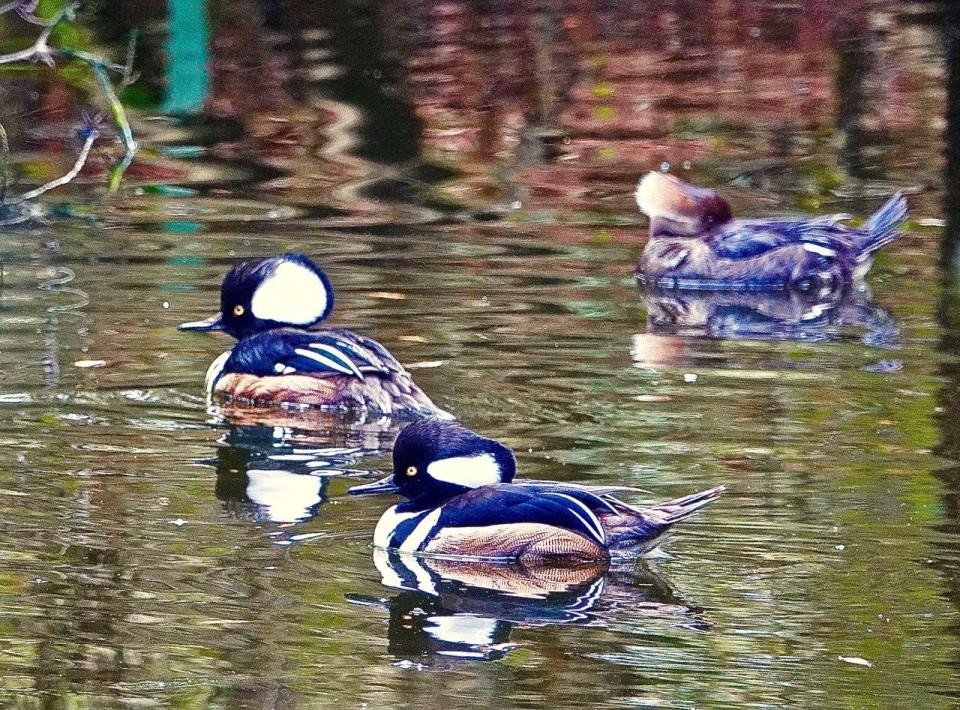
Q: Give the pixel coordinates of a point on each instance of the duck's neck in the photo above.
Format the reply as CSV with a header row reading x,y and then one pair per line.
x,y
661,226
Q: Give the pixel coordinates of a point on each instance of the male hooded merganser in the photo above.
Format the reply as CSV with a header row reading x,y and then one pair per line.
x,y
272,307
696,243
462,502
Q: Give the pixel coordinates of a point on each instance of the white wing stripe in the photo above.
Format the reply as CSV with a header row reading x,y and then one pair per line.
x,y
324,361
337,354
817,249
592,523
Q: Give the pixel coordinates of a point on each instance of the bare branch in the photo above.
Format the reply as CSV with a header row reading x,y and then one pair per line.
x,y
66,177
40,49
101,70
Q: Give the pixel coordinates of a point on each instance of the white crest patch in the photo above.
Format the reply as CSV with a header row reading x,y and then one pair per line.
x,y
469,471
213,372
286,497
291,294
646,192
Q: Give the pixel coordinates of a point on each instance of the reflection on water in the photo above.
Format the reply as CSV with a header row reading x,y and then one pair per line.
x,y
463,172
275,474
785,314
467,609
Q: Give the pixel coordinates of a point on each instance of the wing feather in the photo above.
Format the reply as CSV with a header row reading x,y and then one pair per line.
x,y
508,505
286,351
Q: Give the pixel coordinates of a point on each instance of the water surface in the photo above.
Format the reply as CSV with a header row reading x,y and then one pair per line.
x,y
153,552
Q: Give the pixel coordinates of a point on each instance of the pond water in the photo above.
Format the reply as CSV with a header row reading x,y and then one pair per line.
x,y
464,175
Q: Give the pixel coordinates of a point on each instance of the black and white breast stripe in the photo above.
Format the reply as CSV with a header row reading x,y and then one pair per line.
x,y
407,532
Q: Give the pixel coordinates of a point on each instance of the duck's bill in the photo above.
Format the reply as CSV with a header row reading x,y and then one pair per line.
x,y
383,486
211,323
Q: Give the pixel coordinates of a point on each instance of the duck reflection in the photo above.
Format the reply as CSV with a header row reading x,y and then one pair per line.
x,y
786,314
356,425
278,474
467,609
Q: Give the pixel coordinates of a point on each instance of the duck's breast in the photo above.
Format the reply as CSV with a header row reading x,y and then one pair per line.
x,y
393,525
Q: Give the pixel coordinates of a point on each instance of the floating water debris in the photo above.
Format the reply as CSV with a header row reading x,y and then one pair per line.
x,y
855,661
653,398
424,364
89,363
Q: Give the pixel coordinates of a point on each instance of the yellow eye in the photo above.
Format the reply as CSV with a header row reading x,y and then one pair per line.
x,y
238,310
411,470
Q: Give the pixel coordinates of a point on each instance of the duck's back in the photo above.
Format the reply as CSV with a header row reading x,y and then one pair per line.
x,y
331,368
752,254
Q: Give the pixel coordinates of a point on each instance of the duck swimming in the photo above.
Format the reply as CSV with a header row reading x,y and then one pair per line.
x,y
695,243
462,501
272,307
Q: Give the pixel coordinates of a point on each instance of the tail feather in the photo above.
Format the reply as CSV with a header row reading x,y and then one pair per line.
x,y
673,511
881,227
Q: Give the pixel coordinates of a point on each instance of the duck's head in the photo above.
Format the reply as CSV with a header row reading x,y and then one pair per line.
x,y
678,209
281,291
434,460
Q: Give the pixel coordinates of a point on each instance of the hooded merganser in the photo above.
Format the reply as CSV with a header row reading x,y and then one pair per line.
x,y
272,307
462,501
695,243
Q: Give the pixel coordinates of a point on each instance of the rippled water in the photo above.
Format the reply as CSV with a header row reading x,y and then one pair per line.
x,y
153,552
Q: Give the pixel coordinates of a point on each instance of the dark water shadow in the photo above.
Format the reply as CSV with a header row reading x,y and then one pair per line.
x,y
946,547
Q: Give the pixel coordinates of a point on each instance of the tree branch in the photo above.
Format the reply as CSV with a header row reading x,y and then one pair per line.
x,y
66,177
101,69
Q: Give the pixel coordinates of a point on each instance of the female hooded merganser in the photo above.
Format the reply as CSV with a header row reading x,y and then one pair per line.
x,y
696,243
462,502
272,307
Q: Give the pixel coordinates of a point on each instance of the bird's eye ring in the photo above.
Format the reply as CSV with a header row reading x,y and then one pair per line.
x,y
411,470
238,310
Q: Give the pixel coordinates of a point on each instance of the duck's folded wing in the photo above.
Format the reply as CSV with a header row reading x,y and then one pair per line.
x,y
743,239
375,355
594,497
524,505
317,353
